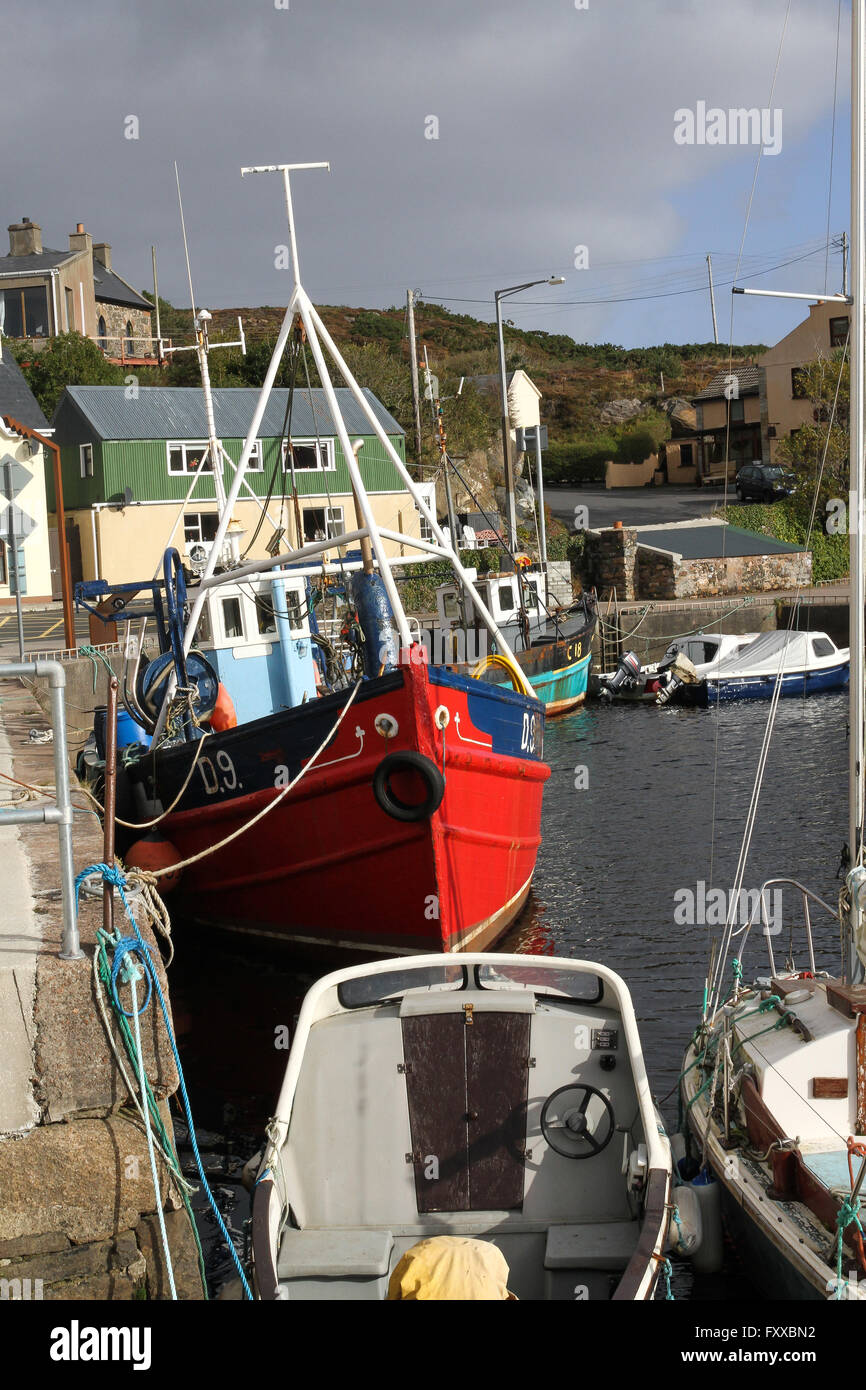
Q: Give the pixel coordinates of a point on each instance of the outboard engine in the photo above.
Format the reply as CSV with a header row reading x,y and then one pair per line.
x,y
678,673
628,672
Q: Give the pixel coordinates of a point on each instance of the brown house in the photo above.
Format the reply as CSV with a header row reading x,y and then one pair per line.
x,y
45,292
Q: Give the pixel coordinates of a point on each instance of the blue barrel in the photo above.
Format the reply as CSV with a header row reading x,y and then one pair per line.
x,y
127,729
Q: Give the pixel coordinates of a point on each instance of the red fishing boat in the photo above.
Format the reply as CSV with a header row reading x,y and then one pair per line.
x,y
395,808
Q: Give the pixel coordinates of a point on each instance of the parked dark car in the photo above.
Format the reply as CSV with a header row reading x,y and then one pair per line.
x,y
760,482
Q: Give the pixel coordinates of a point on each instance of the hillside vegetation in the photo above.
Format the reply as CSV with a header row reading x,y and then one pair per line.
x,y
577,380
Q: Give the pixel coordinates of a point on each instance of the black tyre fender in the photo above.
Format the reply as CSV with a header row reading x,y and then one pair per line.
x,y
406,762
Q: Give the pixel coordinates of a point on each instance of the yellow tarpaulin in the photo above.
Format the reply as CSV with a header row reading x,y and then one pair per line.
x,y
451,1267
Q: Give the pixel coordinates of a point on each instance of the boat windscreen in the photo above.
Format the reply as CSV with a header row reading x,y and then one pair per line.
x,y
567,984
364,990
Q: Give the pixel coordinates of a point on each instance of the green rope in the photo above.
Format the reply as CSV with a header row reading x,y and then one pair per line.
x,y
95,657
848,1215
104,940
666,1271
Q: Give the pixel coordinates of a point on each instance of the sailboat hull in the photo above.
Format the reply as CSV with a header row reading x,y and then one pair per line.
x,y
328,867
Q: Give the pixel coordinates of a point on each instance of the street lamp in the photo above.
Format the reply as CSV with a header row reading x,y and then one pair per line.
x,y
503,387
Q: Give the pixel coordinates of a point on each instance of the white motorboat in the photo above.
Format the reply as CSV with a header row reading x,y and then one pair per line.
x,y
498,1097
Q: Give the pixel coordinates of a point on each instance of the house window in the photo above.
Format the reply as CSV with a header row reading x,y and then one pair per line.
x,y
24,313
425,527
738,412
102,340
130,343
685,456
85,454
200,526
310,455
838,332
187,458
321,523
256,464
799,383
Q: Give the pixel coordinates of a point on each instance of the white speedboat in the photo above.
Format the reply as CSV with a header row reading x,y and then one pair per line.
x,y
681,675
497,1097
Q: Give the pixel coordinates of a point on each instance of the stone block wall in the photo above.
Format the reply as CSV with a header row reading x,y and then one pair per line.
x,y
116,318
618,561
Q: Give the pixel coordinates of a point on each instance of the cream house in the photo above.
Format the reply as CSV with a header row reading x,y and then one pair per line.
x,y
820,335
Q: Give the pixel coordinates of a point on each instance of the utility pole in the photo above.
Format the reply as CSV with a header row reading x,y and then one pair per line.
x,y
413,358
712,298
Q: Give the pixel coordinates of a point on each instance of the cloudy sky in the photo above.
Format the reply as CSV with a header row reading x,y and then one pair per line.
x,y
555,131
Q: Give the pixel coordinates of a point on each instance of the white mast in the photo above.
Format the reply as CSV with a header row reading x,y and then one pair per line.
x,y
855,510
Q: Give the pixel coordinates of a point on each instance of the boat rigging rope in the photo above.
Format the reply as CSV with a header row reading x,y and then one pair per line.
x,y
137,946
140,876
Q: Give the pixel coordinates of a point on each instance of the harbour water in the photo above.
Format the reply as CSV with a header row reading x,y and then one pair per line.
x,y
643,807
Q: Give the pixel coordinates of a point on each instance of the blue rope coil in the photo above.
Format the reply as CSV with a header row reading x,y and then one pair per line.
x,y
137,945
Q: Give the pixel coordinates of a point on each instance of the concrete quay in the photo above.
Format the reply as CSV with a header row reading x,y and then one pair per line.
x,y
77,1203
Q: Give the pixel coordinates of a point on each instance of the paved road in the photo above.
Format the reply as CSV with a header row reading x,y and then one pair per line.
x,y
42,629
633,506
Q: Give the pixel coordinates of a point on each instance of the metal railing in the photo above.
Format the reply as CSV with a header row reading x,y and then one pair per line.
x,y
60,813
760,910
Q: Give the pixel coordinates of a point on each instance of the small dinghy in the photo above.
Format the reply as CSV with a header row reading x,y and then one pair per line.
x,y
499,1100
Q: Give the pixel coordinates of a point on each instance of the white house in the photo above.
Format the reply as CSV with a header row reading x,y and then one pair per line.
x,y
19,406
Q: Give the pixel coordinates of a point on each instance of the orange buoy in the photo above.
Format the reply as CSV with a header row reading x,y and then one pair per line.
x,y
224,715
153,853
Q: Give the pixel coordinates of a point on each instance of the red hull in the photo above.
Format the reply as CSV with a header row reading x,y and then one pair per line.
x,y
329,868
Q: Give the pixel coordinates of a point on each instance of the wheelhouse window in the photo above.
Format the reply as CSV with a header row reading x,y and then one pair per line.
x,y
822,646
24,313
310,455
233,623
838,332
200,526
85,455
265,614
322,523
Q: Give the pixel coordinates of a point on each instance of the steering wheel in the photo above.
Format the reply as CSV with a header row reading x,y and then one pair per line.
x,y
577,1121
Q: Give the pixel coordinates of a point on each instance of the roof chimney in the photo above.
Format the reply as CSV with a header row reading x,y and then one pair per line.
x,y
25,238
102,253
80,240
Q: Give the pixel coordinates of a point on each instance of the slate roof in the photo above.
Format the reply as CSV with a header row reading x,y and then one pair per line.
x,y
748,378
109,287
46,259
177,412
713,541
16,398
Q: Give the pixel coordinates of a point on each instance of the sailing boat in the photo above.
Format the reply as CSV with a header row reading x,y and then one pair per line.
x,y
774,1081
394,815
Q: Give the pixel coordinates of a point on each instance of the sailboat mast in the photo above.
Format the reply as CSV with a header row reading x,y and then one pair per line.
x,y
857,637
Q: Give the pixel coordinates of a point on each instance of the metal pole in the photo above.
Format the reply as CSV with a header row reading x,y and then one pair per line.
x,y
413,357
712,299
110,801
541,521
845,263
511,518
155,296
13,563
856,518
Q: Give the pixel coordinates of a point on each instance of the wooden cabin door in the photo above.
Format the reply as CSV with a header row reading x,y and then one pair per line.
x,y
466,1087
